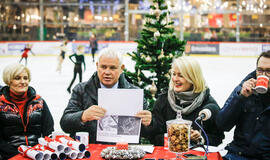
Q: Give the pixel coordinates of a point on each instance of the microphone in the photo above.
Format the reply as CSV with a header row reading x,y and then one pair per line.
x,y
204,115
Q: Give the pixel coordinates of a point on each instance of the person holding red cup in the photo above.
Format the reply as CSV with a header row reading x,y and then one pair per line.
x,y
248,110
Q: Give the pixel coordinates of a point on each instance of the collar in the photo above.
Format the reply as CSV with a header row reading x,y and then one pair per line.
x,y
113,87
16,97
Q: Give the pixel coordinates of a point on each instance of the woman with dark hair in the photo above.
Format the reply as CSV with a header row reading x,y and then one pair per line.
x,y
24,115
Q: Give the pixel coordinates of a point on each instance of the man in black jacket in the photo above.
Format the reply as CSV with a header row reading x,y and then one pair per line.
x,y
249,112
82,111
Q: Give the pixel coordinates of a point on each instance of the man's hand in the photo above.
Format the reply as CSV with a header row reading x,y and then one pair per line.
x,y
146,117
93,113
247,87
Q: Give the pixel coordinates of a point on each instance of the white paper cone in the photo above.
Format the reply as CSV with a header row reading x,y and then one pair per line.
x,y
73,144
53,145
72,155
33,154
51,154
80,155
87,154
61,155
56,146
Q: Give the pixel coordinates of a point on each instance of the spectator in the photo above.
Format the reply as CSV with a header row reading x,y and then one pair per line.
x,y
249,112
207,35
24,115
82,111
214,36
189,94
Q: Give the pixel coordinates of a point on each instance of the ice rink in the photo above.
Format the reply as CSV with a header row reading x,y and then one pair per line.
x,y
221,73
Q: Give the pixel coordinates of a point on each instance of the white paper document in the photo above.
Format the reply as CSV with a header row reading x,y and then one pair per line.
x,y
119,123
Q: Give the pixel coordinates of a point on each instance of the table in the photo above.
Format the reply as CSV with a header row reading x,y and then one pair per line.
x,y
159,152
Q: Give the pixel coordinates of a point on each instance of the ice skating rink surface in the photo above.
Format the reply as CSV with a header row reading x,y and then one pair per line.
x,y
221,73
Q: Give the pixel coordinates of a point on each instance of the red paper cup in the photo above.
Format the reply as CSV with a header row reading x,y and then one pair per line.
x,y
262,84
166,141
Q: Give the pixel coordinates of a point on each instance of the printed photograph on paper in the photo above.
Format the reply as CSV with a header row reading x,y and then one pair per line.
x,y
128,125
114,128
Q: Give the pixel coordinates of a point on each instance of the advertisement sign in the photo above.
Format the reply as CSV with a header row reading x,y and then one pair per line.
x,y
15,48
240,49
202,48
265,47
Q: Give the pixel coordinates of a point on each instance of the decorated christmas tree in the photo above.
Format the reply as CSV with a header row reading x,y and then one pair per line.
x,y
156,49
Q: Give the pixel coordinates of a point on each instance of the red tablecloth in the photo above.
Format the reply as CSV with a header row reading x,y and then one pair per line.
x,y
159,152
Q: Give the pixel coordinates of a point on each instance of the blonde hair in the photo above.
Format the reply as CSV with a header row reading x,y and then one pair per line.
x,y
190,69
80,47
13,70
110,53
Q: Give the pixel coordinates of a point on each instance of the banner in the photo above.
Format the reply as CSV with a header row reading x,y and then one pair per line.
x,y
202,48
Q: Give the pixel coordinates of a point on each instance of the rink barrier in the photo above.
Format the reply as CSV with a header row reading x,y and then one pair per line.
x,y
14,48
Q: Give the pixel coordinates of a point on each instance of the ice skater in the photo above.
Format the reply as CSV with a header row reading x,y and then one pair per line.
x,y
61,57
25,51
93,45
79,60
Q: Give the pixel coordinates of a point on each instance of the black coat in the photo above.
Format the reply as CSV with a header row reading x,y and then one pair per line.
x,y
163,112
251,118
84,95
12,132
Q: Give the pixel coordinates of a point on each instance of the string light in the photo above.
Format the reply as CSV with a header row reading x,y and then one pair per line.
x,y
254,6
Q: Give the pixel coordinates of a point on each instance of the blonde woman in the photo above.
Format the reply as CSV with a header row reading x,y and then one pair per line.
x,y
61,57
79,60
189,94
24,115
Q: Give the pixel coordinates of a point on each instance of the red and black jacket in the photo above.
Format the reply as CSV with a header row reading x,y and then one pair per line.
x,y
36,122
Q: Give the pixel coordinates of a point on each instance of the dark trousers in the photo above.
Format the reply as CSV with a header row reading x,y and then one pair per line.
x,y
77,70
93,51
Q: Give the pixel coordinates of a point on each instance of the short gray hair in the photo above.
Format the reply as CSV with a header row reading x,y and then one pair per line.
x,y
111,53
13,70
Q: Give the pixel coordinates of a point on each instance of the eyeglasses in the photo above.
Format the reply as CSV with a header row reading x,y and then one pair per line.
x,y
261,71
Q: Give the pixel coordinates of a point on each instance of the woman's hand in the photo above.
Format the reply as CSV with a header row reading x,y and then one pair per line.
x,y
195,135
